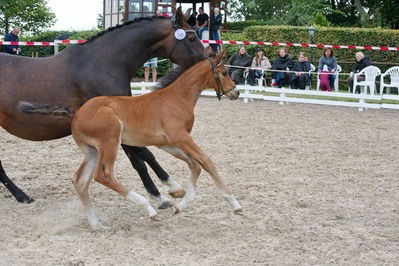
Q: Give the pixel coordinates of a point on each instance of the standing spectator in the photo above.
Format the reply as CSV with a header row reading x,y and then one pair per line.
x,y
192,19
12,37
282,62
202,22
330,61
151,63
216,22
300,80
362,61
259,61
241,59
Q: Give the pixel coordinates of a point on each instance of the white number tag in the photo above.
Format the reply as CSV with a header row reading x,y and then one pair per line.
x,y
180,34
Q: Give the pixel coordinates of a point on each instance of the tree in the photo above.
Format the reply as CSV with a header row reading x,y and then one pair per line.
x,y
263,10
304,12
281,12
346,13
30,15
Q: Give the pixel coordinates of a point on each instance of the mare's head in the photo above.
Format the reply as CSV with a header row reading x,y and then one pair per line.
x,y
219,78
182,44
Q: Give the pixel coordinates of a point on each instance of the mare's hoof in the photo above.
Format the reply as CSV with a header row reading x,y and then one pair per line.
x,y
178,193
26,199
155,218
239,212
177,211
165,205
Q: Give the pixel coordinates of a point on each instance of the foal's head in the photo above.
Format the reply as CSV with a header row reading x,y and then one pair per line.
x,y
219,78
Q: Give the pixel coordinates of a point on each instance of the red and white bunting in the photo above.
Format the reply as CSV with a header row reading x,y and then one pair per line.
x,y
383,48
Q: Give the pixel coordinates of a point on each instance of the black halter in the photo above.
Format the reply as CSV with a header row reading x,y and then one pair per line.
x,y
219,91
176,27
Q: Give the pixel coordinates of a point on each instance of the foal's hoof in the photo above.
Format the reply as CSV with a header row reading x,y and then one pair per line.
x,y
165,205
239,212
177,211
155,218
100,227
25,199
178,193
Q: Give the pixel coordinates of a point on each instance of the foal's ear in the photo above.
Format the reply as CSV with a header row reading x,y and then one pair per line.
x,y
187,14
222,56
179,16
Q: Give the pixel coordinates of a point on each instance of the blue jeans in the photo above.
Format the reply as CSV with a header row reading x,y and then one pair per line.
x,y
215,36
200,31
332,81
281,80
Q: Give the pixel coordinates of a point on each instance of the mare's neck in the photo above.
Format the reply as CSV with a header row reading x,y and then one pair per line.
x,y
191,83
127,48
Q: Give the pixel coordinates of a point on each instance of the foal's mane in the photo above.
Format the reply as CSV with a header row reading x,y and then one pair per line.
x,y
170,77
136,20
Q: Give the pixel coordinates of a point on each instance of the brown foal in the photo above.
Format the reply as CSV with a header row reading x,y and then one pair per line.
x,y
163,118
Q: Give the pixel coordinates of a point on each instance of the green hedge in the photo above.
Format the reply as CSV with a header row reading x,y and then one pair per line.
x,y
43,51
323,35
241,25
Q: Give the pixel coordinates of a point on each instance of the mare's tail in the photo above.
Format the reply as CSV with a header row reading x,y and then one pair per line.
x,y
45,109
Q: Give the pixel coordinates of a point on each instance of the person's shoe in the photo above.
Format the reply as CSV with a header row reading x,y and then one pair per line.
x,y
274,84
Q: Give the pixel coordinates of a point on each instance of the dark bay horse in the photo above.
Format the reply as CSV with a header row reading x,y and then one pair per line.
x,y
104,65
163,118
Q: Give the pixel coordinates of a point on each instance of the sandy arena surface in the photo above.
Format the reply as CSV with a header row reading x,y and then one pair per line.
x,y
318,185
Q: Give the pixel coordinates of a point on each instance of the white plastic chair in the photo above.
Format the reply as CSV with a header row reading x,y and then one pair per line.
x,y
260,80
370,73
336,81
393,72
312,69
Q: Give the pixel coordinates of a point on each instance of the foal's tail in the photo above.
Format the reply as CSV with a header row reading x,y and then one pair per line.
x,y
45,109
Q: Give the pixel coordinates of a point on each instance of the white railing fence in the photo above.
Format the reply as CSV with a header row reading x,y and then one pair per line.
x,y
249,93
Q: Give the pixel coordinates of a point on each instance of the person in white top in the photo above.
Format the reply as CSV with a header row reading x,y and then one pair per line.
x,y
259,61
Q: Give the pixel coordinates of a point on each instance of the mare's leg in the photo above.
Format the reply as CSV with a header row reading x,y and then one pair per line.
x,y
189,148
139,155
16,191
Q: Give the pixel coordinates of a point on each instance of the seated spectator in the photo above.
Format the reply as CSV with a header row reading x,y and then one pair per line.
x,y
241,59
362,61
282,62
192,19
300,80
259,61
325,79
202,22
330,61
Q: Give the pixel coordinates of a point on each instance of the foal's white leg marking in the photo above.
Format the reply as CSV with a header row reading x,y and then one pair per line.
x,y
84,180
188,198
140,200
232,200
173,186
190,194
93,221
